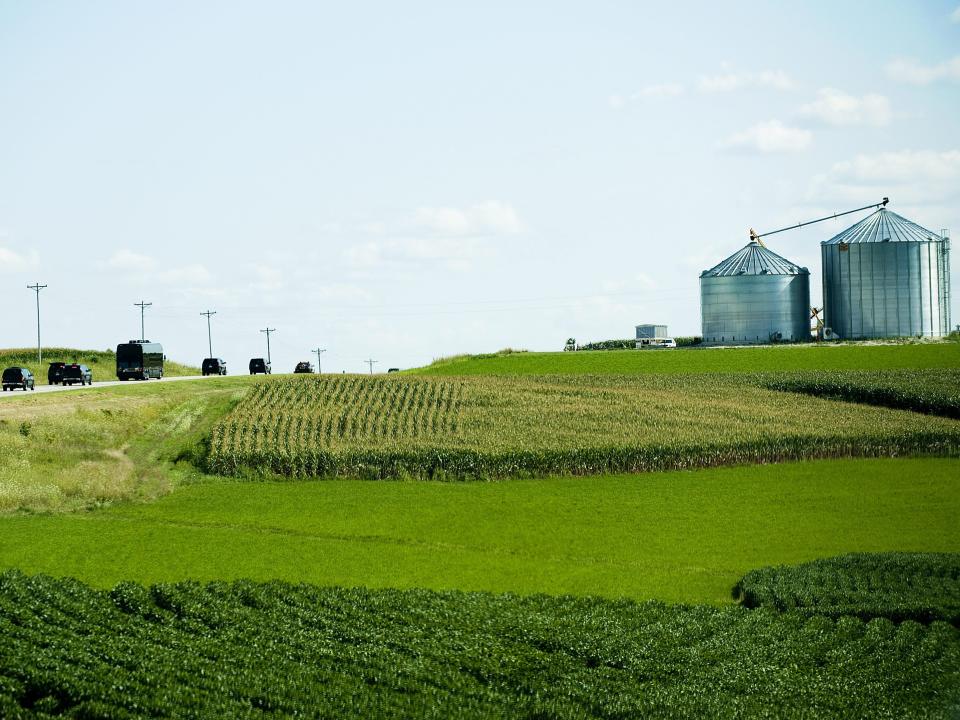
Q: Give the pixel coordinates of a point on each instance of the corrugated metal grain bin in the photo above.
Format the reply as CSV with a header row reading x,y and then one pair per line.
x,y
886,276
753,297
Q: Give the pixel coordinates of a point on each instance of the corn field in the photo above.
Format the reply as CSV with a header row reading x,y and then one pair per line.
x,y
492,427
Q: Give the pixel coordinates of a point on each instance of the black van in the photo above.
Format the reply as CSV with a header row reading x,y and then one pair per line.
x,y
259,366
17,377
55,373
214,366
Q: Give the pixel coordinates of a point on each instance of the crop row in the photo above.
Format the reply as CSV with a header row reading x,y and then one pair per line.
x,y
935,392
898,586
244,649
479,427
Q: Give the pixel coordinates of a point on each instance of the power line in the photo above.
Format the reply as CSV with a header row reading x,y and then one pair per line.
x,y
268,331
37,287
209,313
318,351
142,305
371,363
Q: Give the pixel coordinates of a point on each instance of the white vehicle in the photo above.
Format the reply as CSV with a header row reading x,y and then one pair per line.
x,y
655,343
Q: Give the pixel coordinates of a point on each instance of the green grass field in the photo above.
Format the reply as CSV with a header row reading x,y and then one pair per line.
x,y
703,360
103,363
680,536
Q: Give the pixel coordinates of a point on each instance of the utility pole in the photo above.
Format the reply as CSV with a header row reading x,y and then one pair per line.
x,y
318,351
371,363
37,287
208,313
142,305
268,331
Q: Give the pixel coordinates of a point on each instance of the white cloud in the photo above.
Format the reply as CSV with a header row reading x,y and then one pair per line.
x,y
266,279
486,218
918,177
914,72
955,15
454,253
658,91
835,107
769,137
188,275
131,261
727,82
12,261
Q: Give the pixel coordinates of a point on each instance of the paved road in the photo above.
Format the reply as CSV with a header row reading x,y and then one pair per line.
x,y
66,388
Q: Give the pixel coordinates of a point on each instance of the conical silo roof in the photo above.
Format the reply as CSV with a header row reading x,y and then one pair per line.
x,y
883,226
754,259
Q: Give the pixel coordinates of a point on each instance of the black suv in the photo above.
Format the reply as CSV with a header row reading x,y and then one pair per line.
x,y
55,373
75,373
214,366
17,377
303,367
259,366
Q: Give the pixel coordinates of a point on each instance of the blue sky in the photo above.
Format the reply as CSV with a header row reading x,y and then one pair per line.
x,y
410,182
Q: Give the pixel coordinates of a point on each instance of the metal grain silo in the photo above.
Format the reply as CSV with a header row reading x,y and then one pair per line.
x,y
886,277
755,296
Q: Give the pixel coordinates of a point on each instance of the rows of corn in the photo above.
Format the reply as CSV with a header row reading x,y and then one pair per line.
x,y
488,427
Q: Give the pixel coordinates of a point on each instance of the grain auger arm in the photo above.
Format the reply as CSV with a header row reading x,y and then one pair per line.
x,y
755,237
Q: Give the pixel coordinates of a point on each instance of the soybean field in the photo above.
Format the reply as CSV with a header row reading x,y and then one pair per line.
x,y
490,427
897,586
246,649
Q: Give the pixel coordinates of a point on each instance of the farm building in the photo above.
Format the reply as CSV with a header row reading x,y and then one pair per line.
x,y
754,297
886,276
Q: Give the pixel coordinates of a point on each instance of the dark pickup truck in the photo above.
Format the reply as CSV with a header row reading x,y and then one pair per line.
x,y
75,373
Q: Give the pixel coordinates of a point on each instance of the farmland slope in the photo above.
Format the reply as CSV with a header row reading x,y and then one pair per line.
x,y
677,536
703,360
483,427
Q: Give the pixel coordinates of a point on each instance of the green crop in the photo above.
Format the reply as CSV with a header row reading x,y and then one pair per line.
x,y
245,649
897,586
481,427
936,392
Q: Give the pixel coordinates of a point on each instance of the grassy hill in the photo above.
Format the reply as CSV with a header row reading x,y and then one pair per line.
x,y
102,362
771,358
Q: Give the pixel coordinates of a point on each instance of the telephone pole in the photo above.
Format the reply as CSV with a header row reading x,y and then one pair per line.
x,y
268,331
208,313
37,287
371,363
318,351
142,305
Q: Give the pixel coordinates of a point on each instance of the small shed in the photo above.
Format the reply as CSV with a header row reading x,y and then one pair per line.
x,y
645,332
